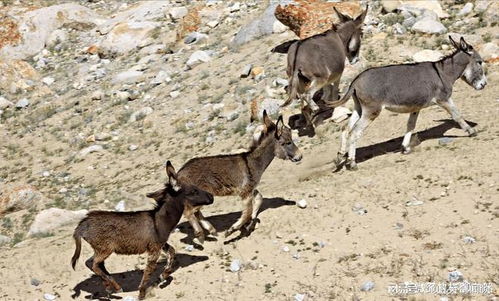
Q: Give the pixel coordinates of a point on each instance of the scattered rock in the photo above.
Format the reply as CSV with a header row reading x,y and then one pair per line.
x,y
4,240
178,12
445,140
427,56
197,58
4,103
280,82
35,282
49,297
189,248
367,286
299,297
162,77
128,77
399,29
257,73
468,240
390,5
140,114
120,206
174,94
235,7
22,103
133,147
302,204
91,149
19,198
467,8
414,202
428,5
123,95
97,95
48,80
285,249
129,298
481,6
245,72
429,26
262,25
50,219
359,209
195,37
235,265
455,276
260,104
340,114
490,52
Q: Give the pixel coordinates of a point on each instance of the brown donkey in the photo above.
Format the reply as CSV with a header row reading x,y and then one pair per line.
x,y
238,174
408,88
317,62
138,232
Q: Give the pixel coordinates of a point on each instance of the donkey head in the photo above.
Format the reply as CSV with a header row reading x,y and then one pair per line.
x,y
352,28
473,74
284,147
184,192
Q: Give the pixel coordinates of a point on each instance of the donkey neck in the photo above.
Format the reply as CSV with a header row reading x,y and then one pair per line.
x,y
452,67
167,217
260,157
345,33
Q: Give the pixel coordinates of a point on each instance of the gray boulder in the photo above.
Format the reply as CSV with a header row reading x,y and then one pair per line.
x,y
50,219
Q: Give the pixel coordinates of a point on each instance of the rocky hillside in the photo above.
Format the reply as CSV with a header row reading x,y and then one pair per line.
x,y
96,95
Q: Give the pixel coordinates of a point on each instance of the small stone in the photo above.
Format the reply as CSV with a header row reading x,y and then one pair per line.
x,y
128,77
278,27
429,26
91,149
141,114
302,203
367,286
97,95
296,256
48,80
467,8
129,298
213,23
299,297
445,140
123,95
285,249
245,72
280,82
278,235
46,174
235,7
399,29
257,72
322,244
174,94
35,282
4,240
120,206
178,12
4,103
455,276
189,248
414,202
197,58
468,240
195,37
49,297
133,147
235,265
161,77
22,103
357,208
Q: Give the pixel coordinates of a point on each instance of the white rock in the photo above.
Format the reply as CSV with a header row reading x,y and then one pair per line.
x,y
427,56
481,5
299,297
367,286
235,265
97,95
340,113
174,94
22,103
120,206
302,203
162,77
48,80
213,23
91,149
133,147
468,240
140,114
189,248
285,249
129,298
278,27
56,37
128,77
49,297
50,219
178,12
4,103
489,51
195,37
123,95
455,276
197,58
467,8
235,7
429,26
431,5
46,173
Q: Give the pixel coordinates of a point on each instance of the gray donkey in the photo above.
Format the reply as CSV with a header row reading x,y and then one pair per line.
x,y
238,174
316,62
408,88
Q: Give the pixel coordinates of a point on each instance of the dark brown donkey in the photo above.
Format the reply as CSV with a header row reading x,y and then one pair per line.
x,y
138,232
317,62
238,174
408,88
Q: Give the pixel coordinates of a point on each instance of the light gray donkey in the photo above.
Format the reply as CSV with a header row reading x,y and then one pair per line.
x,y
408,88
316,62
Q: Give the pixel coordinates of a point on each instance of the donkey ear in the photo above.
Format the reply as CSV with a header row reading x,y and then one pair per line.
x,y
172,176
465,46
279,127
360,19
267,122
343,18
453,42
156,194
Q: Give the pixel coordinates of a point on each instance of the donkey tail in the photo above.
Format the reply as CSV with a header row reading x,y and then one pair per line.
x,y
344,99
292,88
76,255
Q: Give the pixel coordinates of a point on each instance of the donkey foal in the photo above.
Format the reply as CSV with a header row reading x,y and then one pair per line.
x,y
138,232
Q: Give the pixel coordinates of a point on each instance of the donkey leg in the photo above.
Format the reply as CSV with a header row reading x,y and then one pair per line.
x,y
152,259
257,203
170,256
345,135
411,125
365,120
451,108
314,87
97,264
245,217
198,231
206,224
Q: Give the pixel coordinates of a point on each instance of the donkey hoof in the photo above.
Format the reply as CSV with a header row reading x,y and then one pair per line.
x,y
198,240
472,132
406,150
229,231
120,290
214,233
142,295
351,165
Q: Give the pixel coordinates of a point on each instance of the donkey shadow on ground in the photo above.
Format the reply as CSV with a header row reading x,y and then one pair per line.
x,y
395,145
130,280
222,222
